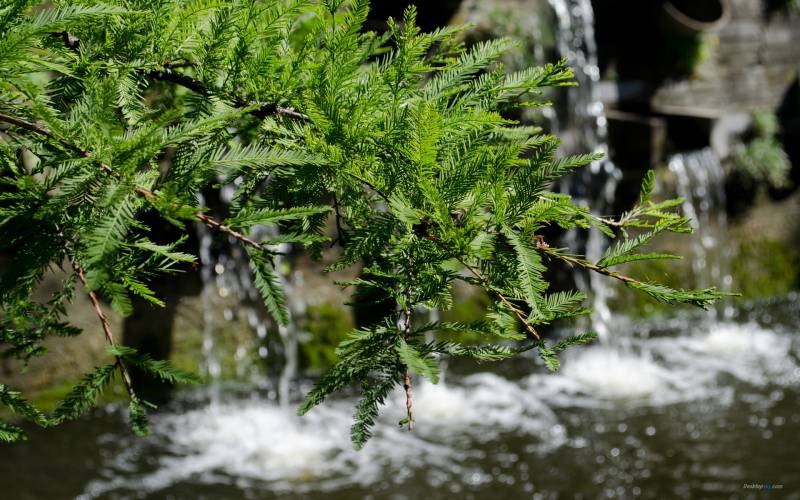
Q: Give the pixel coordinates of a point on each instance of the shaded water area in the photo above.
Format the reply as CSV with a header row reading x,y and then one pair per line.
x,y
688,407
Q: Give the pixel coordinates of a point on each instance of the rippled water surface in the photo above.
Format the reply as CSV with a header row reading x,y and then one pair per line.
x,y
681,408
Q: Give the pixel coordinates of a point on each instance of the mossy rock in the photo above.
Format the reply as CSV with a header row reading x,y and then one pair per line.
x,y
759,269
326,326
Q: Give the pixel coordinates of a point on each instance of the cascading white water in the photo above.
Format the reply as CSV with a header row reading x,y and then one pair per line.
x,y
210,365
584,128
296,307
227,285
701,183
267,448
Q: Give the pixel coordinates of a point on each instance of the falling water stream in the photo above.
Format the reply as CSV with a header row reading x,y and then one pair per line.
x,y
701,183
209,365
583,123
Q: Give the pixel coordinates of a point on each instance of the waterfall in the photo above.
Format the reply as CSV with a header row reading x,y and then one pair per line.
x,y
289,333
210,365
227,286
584,121
701,183
582,125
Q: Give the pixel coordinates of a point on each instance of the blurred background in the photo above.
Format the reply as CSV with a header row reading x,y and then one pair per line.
x,y
669,402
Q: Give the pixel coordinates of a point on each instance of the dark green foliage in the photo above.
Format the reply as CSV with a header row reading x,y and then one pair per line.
x,y
138,416
267,283
10,433
785,5
14,402
117,109
373,394
762,159
157,368
84,396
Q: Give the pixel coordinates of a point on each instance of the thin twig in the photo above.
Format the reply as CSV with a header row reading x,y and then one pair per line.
x,y
497,294
206,219
210,222
39,129
338,216
409,400
545,249
502,298
369,185
408,318
261,110
123,370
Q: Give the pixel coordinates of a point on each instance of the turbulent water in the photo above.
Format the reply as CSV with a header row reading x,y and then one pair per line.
x,y
690,408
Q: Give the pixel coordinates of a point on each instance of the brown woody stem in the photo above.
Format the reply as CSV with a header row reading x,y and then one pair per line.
x,y
408,319
520,315
206,219
409,400
123,370
571,259
261,110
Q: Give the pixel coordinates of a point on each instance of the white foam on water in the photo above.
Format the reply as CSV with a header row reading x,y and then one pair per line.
x,y
747,352
269,446
669,370
611,374
261,441
482,406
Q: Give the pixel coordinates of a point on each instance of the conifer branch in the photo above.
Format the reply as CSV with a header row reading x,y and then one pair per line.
x,y
520,315
41,130
437,144
340,236
261,110
168,75
700,298
214,224
502,298
371,186
205,218
123,370
545,249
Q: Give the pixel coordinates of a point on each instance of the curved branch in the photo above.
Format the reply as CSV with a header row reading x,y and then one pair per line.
x,y
520,315
262,110
205,218
408,318
123,370
546,249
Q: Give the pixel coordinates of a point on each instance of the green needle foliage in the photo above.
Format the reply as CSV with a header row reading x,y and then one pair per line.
x,y
116,110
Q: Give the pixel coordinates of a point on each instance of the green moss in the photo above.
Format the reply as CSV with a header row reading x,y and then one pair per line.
x,y
469,304
685,53
762,161
765,268
327,325
234,341
48,398
186,350
759,269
